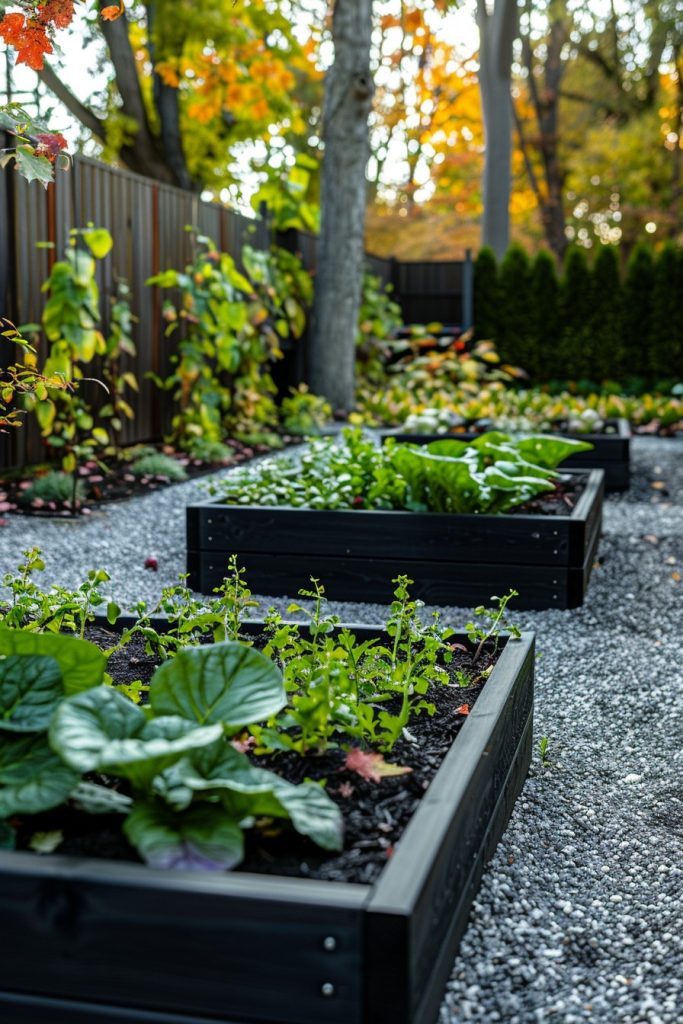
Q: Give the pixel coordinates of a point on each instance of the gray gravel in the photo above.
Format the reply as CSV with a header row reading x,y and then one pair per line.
x,y
580,914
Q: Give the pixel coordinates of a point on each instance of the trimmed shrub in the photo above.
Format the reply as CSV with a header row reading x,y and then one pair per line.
x,y
544,313
514,328
486,294
637,312
576,309
605,342
665,343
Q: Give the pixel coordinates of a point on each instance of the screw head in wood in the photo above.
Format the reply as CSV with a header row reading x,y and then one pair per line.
x,y
329,943
327,989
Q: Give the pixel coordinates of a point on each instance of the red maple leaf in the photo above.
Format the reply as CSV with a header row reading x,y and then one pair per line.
x,y
50,145
28,37
59,13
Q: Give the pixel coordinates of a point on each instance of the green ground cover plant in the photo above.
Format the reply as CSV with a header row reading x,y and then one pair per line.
x,y
528,409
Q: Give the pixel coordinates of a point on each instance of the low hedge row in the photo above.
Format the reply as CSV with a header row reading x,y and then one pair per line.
x,y
593,321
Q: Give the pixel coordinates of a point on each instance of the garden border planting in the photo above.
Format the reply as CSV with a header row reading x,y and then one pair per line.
x,y
251,949
611,452
454,559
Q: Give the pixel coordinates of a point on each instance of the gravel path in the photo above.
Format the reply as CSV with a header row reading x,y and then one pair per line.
x,y
580,914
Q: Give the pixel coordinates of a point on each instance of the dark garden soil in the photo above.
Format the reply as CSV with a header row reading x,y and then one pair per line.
x,y
558,502
375,813
113,481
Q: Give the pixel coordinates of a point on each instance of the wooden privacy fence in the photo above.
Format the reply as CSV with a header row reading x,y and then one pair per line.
x,y
148,223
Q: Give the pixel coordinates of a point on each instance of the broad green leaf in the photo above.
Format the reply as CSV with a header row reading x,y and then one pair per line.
x,y
550,451
81,663
226,682
32,777
103,730
312,813
99,241
202,838
32,167
95,799
251,791
30,690
450,448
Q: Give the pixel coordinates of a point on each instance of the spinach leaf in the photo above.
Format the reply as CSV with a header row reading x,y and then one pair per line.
x,y
202,838
226,682
81,663
103,730
220,770
33,777
30,690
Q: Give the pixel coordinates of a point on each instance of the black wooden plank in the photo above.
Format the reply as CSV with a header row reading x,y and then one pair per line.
x,y
369,579
421,902
18,1008
193,944
511,539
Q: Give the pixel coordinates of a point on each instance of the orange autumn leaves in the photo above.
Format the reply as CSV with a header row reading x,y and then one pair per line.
x,y
31,32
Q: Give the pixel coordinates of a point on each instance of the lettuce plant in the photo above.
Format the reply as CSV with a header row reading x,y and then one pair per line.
x,y
185,793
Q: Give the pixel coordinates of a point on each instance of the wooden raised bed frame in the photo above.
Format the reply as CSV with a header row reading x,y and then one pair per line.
x,y
611,452
454,559
103,942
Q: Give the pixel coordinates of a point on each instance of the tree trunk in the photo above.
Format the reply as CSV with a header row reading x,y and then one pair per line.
x,y
159,157
167,105
497,30
348,99
544,92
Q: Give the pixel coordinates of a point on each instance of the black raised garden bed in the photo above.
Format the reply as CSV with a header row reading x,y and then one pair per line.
x,y
453,559
611,450
94,941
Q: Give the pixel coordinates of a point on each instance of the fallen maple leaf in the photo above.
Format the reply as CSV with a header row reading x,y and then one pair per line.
x,y
464,709
676,577
372,766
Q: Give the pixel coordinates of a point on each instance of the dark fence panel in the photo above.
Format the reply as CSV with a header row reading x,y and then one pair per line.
x,y
434,291
149,223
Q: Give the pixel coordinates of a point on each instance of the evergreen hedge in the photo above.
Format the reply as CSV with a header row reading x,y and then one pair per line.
x,y
606,346
486,293
665,336
514,326
594,322
543,359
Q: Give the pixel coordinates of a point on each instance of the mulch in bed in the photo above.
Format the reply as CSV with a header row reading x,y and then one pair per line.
x,y
112,480
375,813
